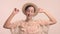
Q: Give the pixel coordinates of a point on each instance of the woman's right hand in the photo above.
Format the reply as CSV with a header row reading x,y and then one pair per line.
x,y
15,11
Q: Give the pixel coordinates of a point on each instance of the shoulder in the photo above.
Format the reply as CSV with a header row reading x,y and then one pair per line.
x,y
41,21
18,22
38,21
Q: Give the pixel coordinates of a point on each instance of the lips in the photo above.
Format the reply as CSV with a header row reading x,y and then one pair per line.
x,y
29,15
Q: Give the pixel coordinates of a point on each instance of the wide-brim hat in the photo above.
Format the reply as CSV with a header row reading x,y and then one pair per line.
x,y
25,5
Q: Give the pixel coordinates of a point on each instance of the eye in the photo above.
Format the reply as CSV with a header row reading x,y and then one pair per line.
x,y
27,10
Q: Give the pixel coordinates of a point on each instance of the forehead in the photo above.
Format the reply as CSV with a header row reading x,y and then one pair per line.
x,y
30,7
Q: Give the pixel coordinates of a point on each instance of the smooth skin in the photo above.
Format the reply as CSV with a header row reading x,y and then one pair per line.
x,y
29,21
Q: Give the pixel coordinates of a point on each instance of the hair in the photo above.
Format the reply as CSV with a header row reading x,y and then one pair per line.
x,y
30,6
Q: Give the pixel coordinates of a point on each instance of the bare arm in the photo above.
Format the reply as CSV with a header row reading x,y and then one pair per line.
x,y
8,23
51,20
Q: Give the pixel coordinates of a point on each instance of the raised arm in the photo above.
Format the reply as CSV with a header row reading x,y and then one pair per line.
x,y
51,20
8,23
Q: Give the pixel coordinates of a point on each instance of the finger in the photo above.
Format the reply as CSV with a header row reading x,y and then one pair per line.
x,y
18,10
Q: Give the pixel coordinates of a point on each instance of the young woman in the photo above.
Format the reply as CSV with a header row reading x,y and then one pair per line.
x,y
30,26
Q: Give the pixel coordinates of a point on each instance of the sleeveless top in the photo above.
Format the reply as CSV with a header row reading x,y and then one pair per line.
x,y
42,30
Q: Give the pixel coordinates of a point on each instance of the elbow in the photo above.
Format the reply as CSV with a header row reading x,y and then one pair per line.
x,y
6,26
54,21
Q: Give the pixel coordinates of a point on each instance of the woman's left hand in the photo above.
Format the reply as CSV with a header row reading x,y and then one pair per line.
x,y
40,10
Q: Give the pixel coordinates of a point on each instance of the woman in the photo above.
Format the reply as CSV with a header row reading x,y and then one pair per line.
x,y
30,26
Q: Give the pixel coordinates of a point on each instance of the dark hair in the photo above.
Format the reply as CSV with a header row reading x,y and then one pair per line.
x,y
30,6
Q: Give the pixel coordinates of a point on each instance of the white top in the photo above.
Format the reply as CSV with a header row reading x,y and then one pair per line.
x,y
42,29
18,31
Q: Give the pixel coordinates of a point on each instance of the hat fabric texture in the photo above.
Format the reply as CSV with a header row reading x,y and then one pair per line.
x,y
25,5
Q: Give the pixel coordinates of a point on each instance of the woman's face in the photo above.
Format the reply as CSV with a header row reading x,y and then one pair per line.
x,y
30,12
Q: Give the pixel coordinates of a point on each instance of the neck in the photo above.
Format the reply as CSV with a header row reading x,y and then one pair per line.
x,y
28,19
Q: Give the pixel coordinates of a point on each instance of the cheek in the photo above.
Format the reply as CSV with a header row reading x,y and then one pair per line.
x,y
27,12
32,13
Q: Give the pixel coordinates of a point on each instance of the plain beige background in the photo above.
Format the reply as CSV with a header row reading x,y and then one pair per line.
x,y
7,6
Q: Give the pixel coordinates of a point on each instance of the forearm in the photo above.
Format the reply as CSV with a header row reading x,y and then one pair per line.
x,y
7,23
10,18
51,18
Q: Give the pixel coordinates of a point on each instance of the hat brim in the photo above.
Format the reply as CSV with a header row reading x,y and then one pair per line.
x,y
24,6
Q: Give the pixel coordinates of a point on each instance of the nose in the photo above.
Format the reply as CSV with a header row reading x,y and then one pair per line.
x,y
29,13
